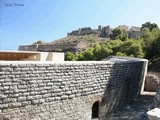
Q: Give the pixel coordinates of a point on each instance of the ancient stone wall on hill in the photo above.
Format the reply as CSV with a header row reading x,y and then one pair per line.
x,y
72,47
105,31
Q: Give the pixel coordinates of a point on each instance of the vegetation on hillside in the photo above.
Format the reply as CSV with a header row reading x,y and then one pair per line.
x,y
129,47
39,42
91,39
147,46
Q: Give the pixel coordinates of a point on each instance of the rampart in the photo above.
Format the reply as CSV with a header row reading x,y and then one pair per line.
x,y
67,90
54,47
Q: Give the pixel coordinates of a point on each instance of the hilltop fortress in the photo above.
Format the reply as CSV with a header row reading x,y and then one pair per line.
x,y
106,31
76,41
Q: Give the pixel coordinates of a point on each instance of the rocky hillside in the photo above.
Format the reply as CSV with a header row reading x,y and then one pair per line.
x,y
72,43
100,35
89,39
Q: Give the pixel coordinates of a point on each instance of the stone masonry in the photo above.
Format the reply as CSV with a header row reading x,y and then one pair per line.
x,y
134,32
68,90
53,47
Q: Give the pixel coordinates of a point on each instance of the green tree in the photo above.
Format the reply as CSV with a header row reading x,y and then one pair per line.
x,y
38,42
118,33
80,57
131,48
155,49
120,54
88,54
105,51
70,56
96,51
115,45
148,39
149,25
59,50
154,58
102,51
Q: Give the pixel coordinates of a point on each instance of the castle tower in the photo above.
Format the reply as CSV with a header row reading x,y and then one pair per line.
x,y
68,34
80,31
99,27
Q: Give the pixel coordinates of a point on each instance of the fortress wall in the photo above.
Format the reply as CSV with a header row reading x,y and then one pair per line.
x,y
55,47
28,47
134,34
58,91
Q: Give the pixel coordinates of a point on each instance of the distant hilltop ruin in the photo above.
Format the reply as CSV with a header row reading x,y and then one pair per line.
x,y
134,32
81,39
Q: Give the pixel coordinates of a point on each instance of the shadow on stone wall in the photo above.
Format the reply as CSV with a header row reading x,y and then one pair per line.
x,y
123,87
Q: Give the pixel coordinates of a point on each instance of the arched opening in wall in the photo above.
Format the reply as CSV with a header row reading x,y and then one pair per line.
x,y
95,110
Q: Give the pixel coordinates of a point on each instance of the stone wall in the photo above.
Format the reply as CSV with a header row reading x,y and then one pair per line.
x,y
54,47
135,34
47,90
105,31
28,47
152,82
72,47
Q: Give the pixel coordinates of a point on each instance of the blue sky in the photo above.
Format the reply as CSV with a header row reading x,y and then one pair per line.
x,y
27,21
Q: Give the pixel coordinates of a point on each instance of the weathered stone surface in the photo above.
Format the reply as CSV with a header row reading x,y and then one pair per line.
x,y
66,90
157,98
154,114
152,82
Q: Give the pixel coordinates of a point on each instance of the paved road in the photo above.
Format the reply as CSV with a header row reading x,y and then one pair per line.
x,y
136,111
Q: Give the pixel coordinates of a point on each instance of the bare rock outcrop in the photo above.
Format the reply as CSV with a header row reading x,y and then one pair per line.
x,y
154,114
157,98
152,82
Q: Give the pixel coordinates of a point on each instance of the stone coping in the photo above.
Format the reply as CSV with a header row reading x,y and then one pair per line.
x,y
107,60
123,59
65,62
148,93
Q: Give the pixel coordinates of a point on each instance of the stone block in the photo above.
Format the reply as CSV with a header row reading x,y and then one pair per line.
x,y
57,98
71,96
157,98
154,114
46,95
2,96
68,92
152,82
64,97
16,104
20,99
30,97
43,92
25,103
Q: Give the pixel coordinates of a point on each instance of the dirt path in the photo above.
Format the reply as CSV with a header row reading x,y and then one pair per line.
x,y
136,111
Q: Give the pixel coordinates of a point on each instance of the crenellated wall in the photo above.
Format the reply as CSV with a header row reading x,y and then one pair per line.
x,y
68,90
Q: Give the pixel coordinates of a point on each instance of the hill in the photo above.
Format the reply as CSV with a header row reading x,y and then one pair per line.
x,y
97,44
83,38
89,39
